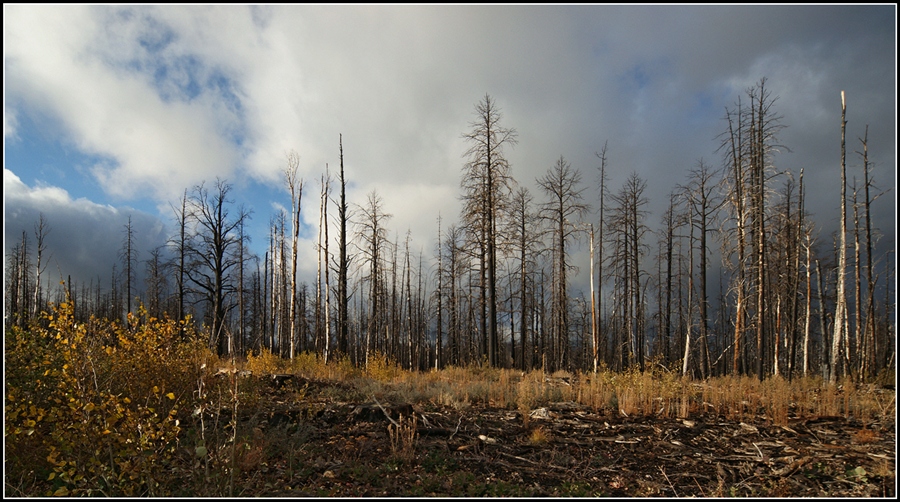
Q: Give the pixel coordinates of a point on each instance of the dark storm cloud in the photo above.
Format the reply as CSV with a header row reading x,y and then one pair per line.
x,y
400,84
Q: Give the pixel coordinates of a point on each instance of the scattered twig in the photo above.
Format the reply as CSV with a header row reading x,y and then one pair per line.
x,y
698,486
667,481
457,429
761,456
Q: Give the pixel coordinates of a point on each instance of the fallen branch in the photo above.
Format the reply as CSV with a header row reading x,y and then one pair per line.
x,y
385,412
523,459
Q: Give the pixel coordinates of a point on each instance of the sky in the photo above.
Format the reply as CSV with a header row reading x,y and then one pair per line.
x,y
112,112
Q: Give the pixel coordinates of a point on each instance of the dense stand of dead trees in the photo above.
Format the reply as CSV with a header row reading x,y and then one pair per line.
x,y
498,291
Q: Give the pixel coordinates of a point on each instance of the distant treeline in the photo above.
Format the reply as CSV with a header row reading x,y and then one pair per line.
x,y
495,288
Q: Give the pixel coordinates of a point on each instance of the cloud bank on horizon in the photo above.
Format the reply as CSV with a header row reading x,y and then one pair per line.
x,y
117,110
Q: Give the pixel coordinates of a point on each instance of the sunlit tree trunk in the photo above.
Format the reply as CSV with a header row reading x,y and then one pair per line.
x,y
689,319
840,313
40,233
600,226
295,188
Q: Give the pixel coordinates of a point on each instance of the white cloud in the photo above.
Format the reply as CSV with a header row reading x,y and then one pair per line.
x,y
149,145
166,97
83,238
9,125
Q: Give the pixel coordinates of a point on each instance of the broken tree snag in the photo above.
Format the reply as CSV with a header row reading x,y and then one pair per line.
x,y
376,412
278,380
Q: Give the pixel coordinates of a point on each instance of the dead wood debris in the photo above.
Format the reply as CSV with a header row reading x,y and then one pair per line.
x,y
567,445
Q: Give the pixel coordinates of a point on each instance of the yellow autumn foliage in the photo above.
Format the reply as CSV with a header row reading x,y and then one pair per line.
x,y
92,408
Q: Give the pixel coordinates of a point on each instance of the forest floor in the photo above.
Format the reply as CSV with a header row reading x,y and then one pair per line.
x,y
306,438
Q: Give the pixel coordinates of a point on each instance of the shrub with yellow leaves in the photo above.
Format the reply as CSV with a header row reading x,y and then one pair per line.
x,y
92,408
265,363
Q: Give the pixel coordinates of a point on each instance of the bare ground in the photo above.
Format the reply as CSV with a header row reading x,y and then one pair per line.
x,y
302,441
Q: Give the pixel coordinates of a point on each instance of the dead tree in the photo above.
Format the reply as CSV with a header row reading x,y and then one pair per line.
x,y
343,262
563,210
295,188
486,184
840,313
41,229
372,235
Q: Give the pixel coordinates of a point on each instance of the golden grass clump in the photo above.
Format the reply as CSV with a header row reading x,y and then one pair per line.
x,y
528,392
538,436
403,437
865,436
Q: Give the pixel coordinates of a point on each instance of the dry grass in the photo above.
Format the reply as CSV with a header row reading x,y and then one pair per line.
x,y
865,436
539,436
657,392
661,394
403,438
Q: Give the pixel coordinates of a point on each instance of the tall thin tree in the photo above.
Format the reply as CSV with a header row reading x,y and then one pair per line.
x,y
564,209
840,313
487,183
295,188
343,261
41,229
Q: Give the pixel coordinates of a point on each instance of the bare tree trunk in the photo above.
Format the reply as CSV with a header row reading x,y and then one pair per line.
x,y
285,336
808,316
776,356
343,265
860,348
240,292
409,307
295,187
670,244
394,331
689,321
870,279
736,149
795,281
182,250
439,335
841,306
274,287
129,258
822,320
372,233
487,181
327,342
601,223
594,335
318,332
40,233
24,273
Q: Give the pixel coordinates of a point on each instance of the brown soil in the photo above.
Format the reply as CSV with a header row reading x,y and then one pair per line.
x,y
301,441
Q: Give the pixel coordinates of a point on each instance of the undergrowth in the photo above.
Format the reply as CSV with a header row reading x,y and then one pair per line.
x,y
144,408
